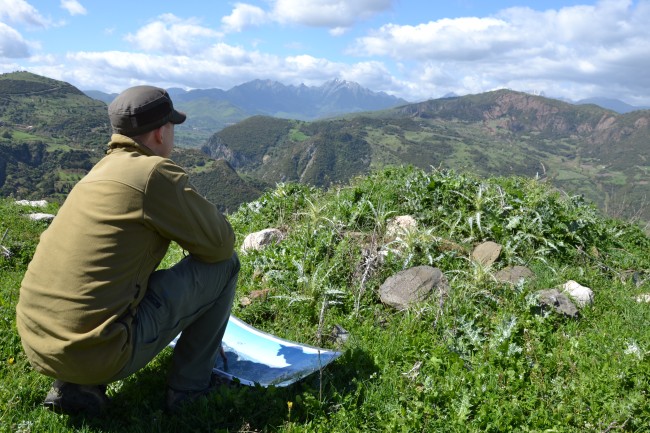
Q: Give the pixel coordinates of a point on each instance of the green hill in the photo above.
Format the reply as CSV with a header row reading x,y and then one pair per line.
x,y
582,149
51,134
482,355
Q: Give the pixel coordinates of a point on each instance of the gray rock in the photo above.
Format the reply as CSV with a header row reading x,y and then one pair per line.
x,y
486,253
413,285
559,302
339,335
512,274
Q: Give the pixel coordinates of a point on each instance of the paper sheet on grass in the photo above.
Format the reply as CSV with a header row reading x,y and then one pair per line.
x,y
256,357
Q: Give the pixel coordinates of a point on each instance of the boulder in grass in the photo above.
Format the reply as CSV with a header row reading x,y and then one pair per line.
x,y
557,301
514,274
261,239
399,223
581,295
39,216
486,253
33,203
413,285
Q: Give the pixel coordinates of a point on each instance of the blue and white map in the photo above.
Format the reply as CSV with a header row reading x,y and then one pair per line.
x,y
254,357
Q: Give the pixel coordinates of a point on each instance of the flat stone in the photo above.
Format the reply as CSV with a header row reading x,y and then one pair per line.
x,y
413,285
40,216
33,203
558,301
513,274
486,253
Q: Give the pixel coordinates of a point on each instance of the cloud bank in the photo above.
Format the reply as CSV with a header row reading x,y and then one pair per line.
x,y
576,52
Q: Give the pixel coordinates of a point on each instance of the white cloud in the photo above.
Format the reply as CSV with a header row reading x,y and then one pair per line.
x,y
372,75
242,16
21,12
338,16
575,52
73,7
460,39
12,44
334,14
569,49
172,35
222,66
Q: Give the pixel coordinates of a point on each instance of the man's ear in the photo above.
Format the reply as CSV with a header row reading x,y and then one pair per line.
x,y
158,134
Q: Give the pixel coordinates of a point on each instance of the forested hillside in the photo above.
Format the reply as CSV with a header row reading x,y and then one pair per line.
x,y
51,134
581,149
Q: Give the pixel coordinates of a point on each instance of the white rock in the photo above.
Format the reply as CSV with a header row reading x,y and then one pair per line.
x,y
38,216
580,294
402,222
35,203
259,240
643,297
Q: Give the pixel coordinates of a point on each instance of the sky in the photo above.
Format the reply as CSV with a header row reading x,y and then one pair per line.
x,y
412,49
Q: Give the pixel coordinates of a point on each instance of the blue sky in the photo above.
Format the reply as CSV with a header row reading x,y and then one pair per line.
x,y
414,49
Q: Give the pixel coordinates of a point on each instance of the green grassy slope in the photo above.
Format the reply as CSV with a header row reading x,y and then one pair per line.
x,y
50,135
481,359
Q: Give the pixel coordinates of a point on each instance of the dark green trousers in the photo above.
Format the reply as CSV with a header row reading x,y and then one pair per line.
x,y
192,298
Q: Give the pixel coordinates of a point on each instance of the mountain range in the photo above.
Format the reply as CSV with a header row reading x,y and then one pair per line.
x,y
51,133
612,104
210,110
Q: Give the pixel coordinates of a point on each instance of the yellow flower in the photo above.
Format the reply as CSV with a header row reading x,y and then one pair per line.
x,y
289,404
11,361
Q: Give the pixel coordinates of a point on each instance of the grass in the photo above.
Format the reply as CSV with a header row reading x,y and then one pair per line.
x,y
483,360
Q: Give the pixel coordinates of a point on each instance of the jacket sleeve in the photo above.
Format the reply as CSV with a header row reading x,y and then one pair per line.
x,y
174,209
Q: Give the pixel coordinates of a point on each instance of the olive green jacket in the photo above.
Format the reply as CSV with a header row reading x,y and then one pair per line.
x,y
90,269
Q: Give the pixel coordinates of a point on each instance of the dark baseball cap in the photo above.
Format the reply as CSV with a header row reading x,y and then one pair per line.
x,y
142,109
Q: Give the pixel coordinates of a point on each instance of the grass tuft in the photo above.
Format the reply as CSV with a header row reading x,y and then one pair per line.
x,y
483,359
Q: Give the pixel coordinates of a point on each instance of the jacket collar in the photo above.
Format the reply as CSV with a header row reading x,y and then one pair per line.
x,y
119,141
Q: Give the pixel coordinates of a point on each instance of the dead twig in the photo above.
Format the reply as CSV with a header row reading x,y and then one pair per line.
x,y
614,426
4,250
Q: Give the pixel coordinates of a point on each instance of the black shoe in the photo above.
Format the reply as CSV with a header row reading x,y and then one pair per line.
x,y
177,399
72,399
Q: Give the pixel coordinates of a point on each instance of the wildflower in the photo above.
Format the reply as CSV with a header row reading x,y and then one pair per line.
x,y
11,361
289,406
634,349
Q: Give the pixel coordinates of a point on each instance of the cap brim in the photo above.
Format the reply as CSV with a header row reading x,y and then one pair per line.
x,y
177,117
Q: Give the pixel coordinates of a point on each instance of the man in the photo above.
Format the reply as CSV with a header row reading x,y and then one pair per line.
x,y
93,309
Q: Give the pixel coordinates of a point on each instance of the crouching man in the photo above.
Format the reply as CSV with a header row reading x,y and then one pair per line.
x,y
93,309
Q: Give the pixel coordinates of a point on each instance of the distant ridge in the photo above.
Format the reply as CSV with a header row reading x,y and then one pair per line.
x,y
582,149
51,133
273,98
210,110
611,104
